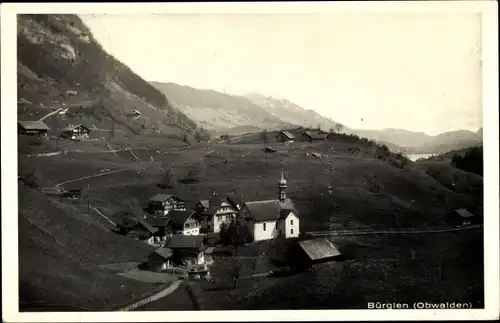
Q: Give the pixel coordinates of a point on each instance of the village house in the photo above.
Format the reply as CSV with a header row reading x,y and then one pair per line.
x,y
272,218
75,132
161,223
314,136
217,210
184,222
187,250
160,259
285,136
32,128
139,229
163,203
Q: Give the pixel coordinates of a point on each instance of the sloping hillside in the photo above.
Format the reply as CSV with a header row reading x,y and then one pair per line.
x,y
294,114
61,65
218,111
60,251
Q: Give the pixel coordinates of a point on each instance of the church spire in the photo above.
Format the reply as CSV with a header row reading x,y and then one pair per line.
x,y
282,188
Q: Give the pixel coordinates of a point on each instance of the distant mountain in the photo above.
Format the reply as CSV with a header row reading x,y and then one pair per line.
x,y
61,65
219,111
419,142
294,114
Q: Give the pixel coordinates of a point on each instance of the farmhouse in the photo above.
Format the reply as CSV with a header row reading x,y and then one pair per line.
x,y
314,136
216,211
462,217
164,203
184,222
188,250
160,259
272,218
75,132
318,250
161,223
285,136
32,128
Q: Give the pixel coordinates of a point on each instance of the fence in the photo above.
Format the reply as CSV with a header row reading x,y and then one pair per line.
x,y
390,231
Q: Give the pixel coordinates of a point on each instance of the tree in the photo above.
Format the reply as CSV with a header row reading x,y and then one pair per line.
x,y
198,136
339,127
319,127
185,138
168,180
233,234
264,136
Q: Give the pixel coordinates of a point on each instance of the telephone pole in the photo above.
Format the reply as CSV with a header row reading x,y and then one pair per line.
x,y
88,198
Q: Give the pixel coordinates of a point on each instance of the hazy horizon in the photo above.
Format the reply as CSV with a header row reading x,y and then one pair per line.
x,y
370,71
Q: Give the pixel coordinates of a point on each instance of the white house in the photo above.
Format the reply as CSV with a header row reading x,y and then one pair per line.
x,y
217,210
164,203
272,218
184,222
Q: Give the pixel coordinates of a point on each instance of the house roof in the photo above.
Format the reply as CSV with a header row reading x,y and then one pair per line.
x,y
205,203
235,199
270,209
71,127
180,217
320,248
164,252
315,135
211,210
464,213
146,225
286,134
157,221
33,125
163,197
182,241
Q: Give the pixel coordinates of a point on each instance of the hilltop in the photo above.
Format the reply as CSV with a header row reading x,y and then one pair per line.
x,y
219,111
422,143
295,114
61,65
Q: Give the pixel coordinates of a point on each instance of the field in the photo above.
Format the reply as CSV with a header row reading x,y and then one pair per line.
x,y
343,188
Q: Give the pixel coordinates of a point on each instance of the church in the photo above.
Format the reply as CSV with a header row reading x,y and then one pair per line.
x,y
271,218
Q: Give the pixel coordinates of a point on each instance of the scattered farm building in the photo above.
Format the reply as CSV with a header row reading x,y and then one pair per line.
x,y
285,136
187,250
76,132
463,217
164,203
217,210
318,250
272,218
184,222
32,128
314,136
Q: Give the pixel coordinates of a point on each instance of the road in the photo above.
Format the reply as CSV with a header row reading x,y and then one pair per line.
x,y
169,290
90,176
69,106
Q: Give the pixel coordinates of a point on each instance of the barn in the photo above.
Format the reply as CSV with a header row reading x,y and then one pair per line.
x,y
32,128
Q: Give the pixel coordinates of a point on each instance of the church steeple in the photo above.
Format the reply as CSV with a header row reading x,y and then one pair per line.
x,y
282,188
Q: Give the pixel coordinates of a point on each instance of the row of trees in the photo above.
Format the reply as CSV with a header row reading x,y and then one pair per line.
x,y
472,161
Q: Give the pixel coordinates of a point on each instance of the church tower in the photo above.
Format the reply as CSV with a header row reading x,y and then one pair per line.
x,y
282,188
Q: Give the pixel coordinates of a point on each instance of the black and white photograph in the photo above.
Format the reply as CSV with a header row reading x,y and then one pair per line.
x,y
191,161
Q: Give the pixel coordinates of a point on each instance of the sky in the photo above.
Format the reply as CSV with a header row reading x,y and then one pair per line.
x,y
419,72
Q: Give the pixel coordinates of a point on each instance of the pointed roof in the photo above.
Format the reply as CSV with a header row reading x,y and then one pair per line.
x,y
270,210
72,127
286,134
183,242
180,217
282,181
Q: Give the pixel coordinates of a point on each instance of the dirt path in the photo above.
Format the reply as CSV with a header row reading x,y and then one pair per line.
x,y
68,106
170,289
86,177
103,216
